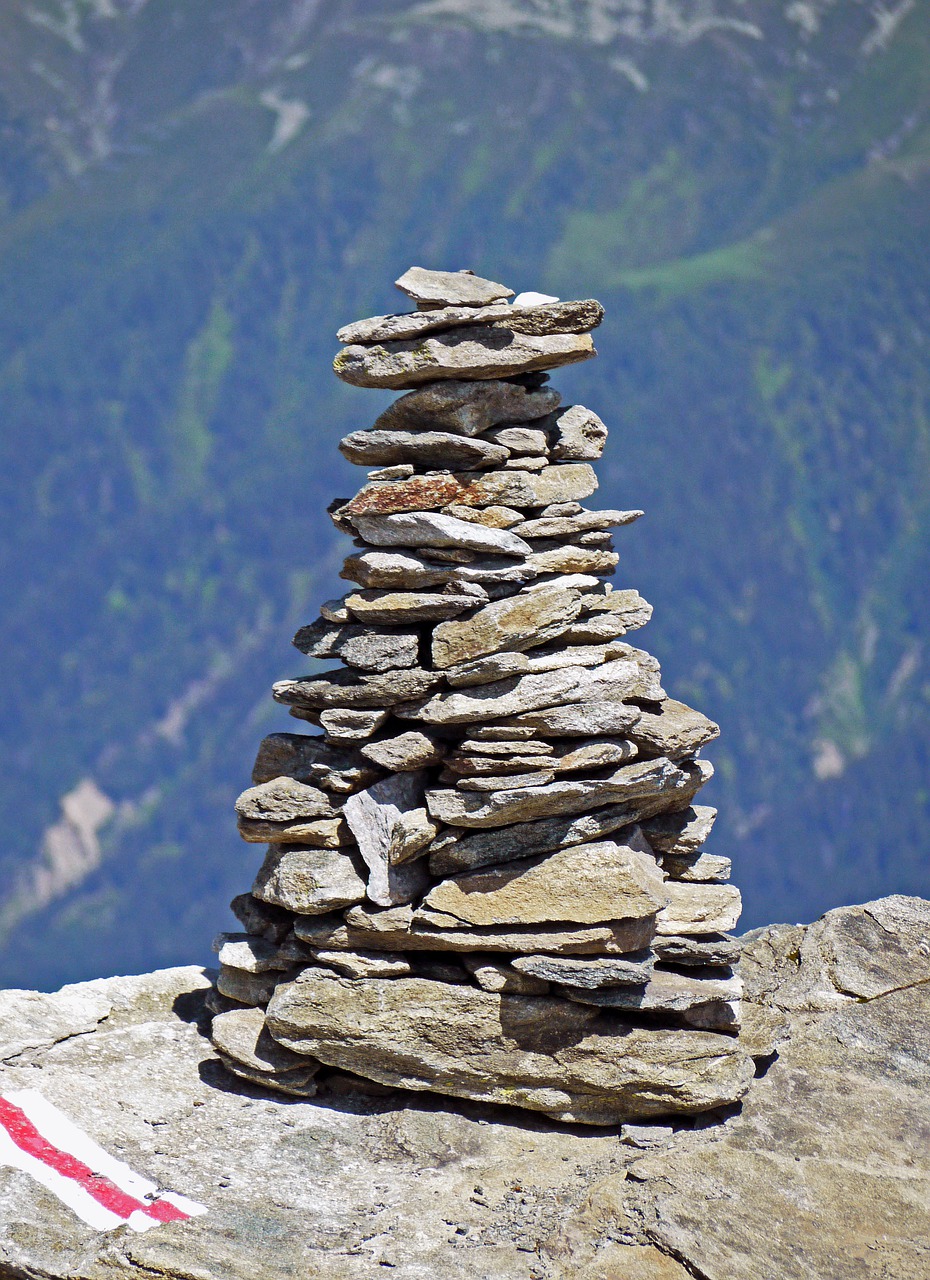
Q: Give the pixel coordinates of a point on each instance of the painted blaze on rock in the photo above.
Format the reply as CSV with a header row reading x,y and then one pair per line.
x,y
486,875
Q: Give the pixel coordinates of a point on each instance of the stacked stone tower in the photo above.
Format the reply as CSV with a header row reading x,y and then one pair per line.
x,y
485,876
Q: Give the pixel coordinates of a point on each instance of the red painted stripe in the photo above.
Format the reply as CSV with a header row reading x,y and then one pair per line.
x,y
28,1138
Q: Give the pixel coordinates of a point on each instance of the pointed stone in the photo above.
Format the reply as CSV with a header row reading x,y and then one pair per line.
x,y
575,433
676,730
682,832
391,828
424,449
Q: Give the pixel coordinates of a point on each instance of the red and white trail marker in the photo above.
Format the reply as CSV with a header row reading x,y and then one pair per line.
x,y
104,1192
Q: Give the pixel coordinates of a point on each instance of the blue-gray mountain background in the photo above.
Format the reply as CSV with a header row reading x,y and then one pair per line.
x,y
194,196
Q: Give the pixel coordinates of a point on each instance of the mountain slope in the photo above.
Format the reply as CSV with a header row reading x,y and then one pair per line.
x,y
194,198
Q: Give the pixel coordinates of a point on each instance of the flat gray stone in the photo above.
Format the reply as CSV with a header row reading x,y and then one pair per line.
x,y
284,799
583,522
411,750
708,949
450,288
313,761
503,699
698,867
463,353
359,646
310,881
588,972
364,964
552,317
574,719
529,1051
243,951
348,689
511,623
467,408
491,782
699,908
321,833
455,851
433,529
519,441
587,884
642,779
400,608
557,483
345,725
421,449
399,929
709,1002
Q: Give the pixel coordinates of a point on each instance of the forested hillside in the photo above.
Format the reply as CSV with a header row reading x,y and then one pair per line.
x,y
193,197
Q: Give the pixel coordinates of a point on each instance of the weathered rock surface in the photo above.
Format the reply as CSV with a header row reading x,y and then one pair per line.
x,y
450,288
467,408
587,884
551,317
465,352
822,1171
433,529
534,1051
311,881
560,483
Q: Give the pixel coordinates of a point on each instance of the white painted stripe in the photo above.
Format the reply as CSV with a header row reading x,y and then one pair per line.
x,y
61,1132
56,1128
68,1192
190,1207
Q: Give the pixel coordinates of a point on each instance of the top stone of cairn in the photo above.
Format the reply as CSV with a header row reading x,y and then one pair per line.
x,y
430,289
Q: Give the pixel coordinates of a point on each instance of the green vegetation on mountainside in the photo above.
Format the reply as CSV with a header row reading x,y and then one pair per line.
x,y
755,223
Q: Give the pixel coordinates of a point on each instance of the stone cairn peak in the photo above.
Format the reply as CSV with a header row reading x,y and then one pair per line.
x,y
486,876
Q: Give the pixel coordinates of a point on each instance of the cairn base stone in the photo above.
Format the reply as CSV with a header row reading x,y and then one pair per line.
x,y
540,1053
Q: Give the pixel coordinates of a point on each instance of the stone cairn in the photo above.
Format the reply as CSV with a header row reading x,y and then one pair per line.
x,y
486,877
